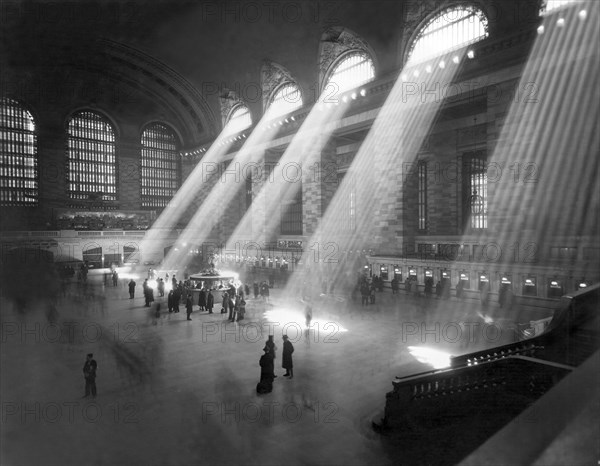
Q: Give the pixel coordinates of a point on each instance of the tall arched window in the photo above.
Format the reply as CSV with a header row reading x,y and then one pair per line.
x,y
451,29
18,156
161,168
287,99
239,119
353,70
91,158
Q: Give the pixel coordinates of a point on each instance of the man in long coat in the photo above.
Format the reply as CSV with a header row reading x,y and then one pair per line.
x,y
286,359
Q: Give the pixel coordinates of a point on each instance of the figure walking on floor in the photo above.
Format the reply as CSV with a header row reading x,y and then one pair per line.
x,y
89,372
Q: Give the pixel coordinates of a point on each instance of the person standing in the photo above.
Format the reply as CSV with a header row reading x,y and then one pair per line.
x,y
241,309
255,289
176,298
131,289
267,372
170,301
270,345
89,373
210,302
225,303
286,359
189,306
202,299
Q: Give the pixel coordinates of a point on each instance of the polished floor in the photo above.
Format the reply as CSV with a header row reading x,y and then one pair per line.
x,y
178,392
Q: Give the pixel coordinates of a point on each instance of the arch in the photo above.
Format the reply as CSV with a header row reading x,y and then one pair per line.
x,y
445,30
19,168
239,119
351,70
91,156
285,99
336,42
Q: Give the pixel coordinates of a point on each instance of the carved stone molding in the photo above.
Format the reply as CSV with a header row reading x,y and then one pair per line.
x,y
273,75
228,99
335,42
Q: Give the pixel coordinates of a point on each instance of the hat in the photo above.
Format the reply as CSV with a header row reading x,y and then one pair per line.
x,y
90,355
285,337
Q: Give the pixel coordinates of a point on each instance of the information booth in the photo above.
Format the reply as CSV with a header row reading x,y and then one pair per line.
x,y
215,283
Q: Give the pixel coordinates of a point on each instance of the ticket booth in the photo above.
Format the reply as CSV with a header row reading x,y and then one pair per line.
x,y
465,279
580,284
484,287
484,281
445,280
398,273
428,281
505,293
412,274
464,283
383,272
555,288
529,286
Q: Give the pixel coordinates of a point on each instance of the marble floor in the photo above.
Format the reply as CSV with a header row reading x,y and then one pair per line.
x,y
178,392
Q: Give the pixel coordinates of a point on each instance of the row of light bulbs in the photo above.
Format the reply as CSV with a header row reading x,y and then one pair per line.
x,y
441,65
560,22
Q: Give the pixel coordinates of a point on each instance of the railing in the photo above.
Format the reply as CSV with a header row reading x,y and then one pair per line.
x,y
521,372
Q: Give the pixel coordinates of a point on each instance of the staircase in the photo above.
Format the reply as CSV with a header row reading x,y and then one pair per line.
x,y
482,391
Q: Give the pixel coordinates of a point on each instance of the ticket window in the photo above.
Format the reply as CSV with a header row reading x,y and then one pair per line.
x,y
529,286
445,277
398,273
505,287
412,274
555,288
484,281
264,262
270,262
465,280
428,276
383,274
580,284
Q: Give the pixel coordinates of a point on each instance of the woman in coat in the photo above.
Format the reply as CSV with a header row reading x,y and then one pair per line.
x,y
286,363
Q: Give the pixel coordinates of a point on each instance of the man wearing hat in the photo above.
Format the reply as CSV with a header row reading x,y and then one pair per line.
x,y
286,360
267,372
89,372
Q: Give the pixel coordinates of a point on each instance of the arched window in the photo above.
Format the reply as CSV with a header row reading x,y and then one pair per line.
x,y
239,119
160,166
287,99
451,29
353,70
549,5
91,158
18,156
